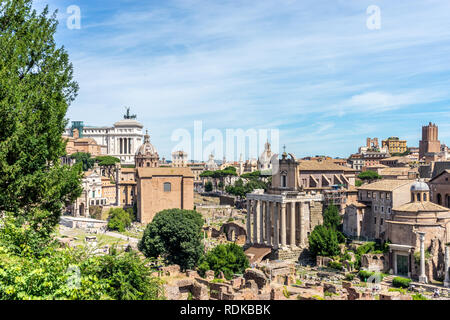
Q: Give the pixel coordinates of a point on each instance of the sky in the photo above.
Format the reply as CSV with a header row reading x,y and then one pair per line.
x,y
326,74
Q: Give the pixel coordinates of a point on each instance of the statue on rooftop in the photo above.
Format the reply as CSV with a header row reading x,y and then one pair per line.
x,y
128,115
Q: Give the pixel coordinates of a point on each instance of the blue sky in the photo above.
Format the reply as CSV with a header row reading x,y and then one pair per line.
x,y
311,69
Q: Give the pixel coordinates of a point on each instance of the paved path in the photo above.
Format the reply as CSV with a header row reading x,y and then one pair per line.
x,y
132,241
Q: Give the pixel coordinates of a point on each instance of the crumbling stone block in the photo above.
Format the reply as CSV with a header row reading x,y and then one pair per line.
x,y
173,270
209,275
258,276
200,291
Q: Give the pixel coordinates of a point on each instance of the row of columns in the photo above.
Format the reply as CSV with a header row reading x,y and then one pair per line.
x,y
270,223
125,145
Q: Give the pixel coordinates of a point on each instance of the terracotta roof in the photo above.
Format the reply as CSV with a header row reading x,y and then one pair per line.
x,y
326,165
128,170
377,166
149,172
421,206
445,171
385,185
397,171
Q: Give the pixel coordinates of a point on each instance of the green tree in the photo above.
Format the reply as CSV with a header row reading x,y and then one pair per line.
x,y
331,217
176,236
228,258
36,88
324,242
108,163
369,176
119,219
208,186
85,159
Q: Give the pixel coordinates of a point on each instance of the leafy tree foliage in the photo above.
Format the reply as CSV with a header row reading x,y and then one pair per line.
x,y
208,186
54,275
85,159
241,190
251,175
106,161
36,88
331,217
369,176
324,242
228,258
176,236
119,219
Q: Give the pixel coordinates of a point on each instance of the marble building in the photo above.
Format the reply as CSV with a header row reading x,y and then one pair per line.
x,y
122,140
283,217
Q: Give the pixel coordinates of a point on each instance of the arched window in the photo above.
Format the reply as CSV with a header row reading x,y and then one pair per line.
x,y
167,187
148,164
418,197
424,197
439,199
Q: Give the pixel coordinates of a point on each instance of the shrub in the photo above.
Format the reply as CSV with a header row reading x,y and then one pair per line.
x,y
227,258
122,276
401,290
119,219
364,275
349,276
418,296
335,265
400,282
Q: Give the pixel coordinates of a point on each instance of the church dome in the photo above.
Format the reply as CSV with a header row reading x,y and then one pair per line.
x,y
420,186
146,148
267,154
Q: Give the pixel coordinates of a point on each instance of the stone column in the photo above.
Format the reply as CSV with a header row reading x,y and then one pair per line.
x,y
261,222
422,277
292,238
249,222
447,266
283,225
256,225
268,224
276,227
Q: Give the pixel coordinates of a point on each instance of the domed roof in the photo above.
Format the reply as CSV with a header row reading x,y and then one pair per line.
x,y
267,154
420,186
146,148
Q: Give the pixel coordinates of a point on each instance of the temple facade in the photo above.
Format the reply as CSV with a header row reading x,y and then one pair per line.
x,y
419,234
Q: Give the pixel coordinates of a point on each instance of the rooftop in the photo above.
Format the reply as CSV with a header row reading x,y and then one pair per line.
x,y
421,206
385,185
150,172
326,165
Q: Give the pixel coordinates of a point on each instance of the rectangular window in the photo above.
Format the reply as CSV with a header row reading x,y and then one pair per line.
x,y
375,220
283,181
167,187
381,221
